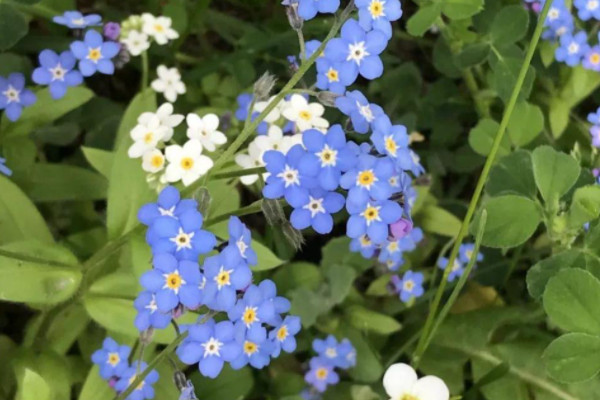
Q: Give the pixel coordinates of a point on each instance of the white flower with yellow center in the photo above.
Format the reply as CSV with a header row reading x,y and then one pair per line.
x,y
159,28
168,83
304,114
186,163
275,140
251,160
274,114
402,383
166,117
205,130
153,161
146,136
136,42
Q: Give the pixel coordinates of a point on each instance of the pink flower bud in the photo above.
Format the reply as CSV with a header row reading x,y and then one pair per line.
x,y
401,228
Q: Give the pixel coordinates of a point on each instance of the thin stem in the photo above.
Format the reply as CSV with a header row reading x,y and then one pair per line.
x,y
241,172
145,68
471,83
302,45
313,93
482,180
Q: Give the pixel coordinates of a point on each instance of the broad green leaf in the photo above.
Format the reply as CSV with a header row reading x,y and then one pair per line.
x,y
379,287
337,251
461,9
33,386
66,327
8,349
308,305
364,319
53,279
512,174
509,25
558,115
506,72
525,124
554,172
443,59
297,274
48,365
230,385
437,220
363,392
423,19
59,182
101,160
45,110
128,189
368,366
96,388
340,278
266,259
574,357
585,206
12,62
13,26
571,301
19,219
481,138
511,220
225,198
472,54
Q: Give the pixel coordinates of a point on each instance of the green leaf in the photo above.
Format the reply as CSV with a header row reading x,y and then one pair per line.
x,y
51,367
340,278
364,319
101,160
461,9
59,182
437,220
554,172
509,25
481,138
506,71
65,327
95,388
308,305
511,220
585,206
559,112
33,386
423,19
472,54
297,274
337,251
571,301
30,281
19,219
44,111
525,124
230,385
512,174
266,259
574,357
128,189
13,26
368,365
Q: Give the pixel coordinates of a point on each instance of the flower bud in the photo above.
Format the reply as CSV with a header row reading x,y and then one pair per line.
x,y
296,22
112,30
327,98
401,228
202,196
146,336
263,86
293,235
272,211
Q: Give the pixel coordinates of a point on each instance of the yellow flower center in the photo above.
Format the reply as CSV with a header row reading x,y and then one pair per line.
x,y
371,214
250,348
392,247
365,241
158,28
305,115
187,163
249,315
376,8
223,278
409,397
148,137
113,359
157,161
322,373
282,333
409,285
94,54
595,58
333,75
173,281
390,146
366,178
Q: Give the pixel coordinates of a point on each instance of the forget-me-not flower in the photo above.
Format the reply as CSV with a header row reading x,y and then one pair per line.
x,y
283,336
356,106
378,14
372,218
256,348
76,20
240,237
3,168
14,96
316,209
169,204
142,391
94,54
410,286
364,245
369,179
111,358
321,374
225,273
587,9
308,9
57,72
572,48
456,270
285,178
148,315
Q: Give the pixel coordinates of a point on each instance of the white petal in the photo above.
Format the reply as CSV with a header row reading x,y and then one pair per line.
x,y
145,117
173,153
173,173
165,110
193,148
204,163
211,122
158,85
431,388
162,71
316,109
290,113
137,150
170,94
208,145
173,120
194,121
179,87
189,178
248,179
399,380
218,138
244,160
298,101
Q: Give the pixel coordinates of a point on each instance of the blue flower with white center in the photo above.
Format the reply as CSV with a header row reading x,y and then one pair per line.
x,y
591,59
411,163
318,205
210,345
358,50
182,237
333,76
76,20
372,218
356,106
225,274
253,308
94,54
369,179
364,245
111,358
14,96
558,27
285,178
57,72
321,374
142,391
391,140
281,304
572,48
391,253
346,355
244,101
256,348
173,282
465,253
3,168
594,117
410,241
308,9
587,9
283,336
326,157
169,204
378,14
456,270
240,238
148,315
410,286
336,354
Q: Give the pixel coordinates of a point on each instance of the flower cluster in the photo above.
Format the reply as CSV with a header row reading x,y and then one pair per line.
x,y
465,254
112,360
255,330
331,354
138,31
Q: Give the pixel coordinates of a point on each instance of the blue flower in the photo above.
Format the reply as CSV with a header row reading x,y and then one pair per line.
x,y
391,254
283,336
412,164
346,355
281,304
111,358
339,355
244,101
333,76
240,237
410,286
225,274
465,252
94,54
364,245
391,140
594,117
455,272
182,237
76,20
169,204
572,48
587,9
558,27
148,315
173,282
591,59
57,72
256,348
362,113
3,168
409,242
370,178
14,96
285,178
378,14
321,374
144,390
253,308
316,209
311,46
210,345
358,50
308,9
372,218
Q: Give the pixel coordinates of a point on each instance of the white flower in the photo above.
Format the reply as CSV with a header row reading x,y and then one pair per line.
x,y
159,28
168,83
251,160
153,161
274,114
204,129
136,42
275,140
146,136
166,117
186,163
305,115
401,382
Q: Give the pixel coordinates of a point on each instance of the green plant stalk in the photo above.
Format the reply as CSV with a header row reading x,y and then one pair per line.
x,y
421,347
302,45
145,69
241,172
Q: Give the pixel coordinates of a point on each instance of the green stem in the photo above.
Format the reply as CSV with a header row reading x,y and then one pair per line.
x,y
302,45
241,172
305,91
471,83
27,258
145,68
482,180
